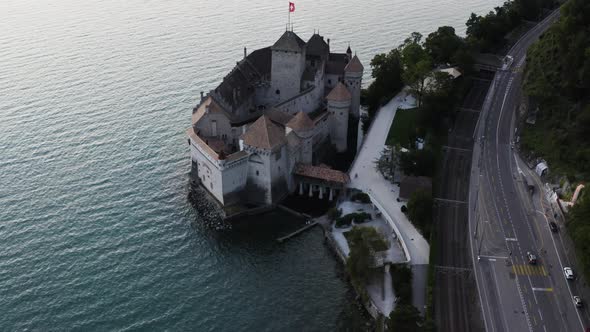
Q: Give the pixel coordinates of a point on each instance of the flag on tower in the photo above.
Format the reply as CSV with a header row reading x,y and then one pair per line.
x,y
291,7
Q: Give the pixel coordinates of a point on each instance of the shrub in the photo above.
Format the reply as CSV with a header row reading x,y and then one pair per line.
x,y
334,213
347,220
361,197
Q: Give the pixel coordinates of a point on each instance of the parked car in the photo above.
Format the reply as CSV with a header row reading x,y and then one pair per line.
x,y
578,301
569,273
553,227
531,257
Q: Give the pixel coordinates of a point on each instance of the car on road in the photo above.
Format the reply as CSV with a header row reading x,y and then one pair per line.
x,y
578,301
553,227
531,257
569,273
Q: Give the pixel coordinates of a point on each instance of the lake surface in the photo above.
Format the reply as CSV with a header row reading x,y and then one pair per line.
x,y
96,231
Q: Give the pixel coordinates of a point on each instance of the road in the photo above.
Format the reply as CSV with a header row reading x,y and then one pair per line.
x,y
506,221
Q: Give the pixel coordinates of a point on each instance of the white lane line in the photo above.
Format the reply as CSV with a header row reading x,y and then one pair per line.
x,y
537,289
511,239
540,315
493,257
545,328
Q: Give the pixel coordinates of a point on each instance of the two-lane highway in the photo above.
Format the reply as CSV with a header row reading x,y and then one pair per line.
x,y
507,223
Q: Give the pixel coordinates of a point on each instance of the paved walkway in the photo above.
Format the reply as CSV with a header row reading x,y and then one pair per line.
x,y
384,193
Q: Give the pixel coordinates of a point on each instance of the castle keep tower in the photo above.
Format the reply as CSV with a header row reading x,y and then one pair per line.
x,y
339,102
287,66
353,76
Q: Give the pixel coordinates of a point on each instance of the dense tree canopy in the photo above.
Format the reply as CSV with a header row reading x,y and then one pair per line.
x,y
387,74
420,211
363,243
557,76
486,33
417,64
443,44
405,318
579,228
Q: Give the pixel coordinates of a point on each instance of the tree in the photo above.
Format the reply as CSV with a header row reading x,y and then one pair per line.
x,y
417,162
401,277
388,161
387,72
420,211
443,44
579,229
416,63
363,243
405,318
334,213
438,101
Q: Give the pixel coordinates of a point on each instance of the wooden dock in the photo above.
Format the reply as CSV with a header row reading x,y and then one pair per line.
x,y
297,232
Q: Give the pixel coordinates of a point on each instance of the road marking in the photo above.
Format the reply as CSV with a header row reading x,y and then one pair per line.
x,y
540,315
536,289
454,148
511,239
449,201
453,268
529,270
493,257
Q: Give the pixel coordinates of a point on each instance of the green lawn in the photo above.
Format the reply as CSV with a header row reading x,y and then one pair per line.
x,y
403,128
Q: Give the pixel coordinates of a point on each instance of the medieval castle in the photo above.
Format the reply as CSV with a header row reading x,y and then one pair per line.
x,y
263,127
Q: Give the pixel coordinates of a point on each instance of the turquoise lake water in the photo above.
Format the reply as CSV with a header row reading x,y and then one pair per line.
x,y
96,231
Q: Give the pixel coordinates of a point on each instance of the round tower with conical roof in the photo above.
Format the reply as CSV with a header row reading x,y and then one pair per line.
x,y
339,101
303,127
353,77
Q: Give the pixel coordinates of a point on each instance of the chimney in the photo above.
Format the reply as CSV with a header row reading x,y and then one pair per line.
x,y
245,52
328,42
202,95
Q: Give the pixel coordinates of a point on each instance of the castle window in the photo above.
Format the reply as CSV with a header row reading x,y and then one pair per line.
x,y
257,173
211,185
278,92
330,82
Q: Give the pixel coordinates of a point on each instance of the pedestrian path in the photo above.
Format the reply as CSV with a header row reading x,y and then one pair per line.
x,y
365,177
383,193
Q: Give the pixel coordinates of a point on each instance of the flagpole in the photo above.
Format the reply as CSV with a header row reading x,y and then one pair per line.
x,y
289,17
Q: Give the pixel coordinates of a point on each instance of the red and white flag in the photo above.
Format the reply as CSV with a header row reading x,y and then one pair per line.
x,y
291,7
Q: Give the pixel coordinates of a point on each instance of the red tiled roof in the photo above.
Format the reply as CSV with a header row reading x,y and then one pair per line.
x,y
339,93
264,134
322,173
300,122
354,66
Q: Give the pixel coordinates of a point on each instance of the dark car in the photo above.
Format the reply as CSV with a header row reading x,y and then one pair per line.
x,y
532,258
553,227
